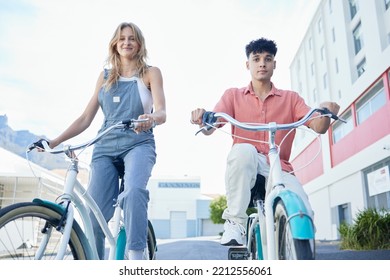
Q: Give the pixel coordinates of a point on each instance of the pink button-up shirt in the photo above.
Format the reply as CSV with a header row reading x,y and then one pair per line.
x,y
280,106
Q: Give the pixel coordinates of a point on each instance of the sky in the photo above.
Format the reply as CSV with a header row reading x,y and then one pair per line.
x,y
52,51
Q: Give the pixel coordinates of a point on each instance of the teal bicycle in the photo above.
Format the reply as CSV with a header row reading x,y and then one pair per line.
x,y
281,228
43,229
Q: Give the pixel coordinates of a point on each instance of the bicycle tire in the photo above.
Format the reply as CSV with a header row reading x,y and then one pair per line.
x,y
21,231
151,242
289,248
254,242
151,248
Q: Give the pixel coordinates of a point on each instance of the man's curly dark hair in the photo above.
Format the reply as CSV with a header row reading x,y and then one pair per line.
x,y
261,45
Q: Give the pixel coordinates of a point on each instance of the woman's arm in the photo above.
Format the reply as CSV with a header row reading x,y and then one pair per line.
x,y
153,79
84,120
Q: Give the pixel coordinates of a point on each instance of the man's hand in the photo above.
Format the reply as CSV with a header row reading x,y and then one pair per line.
x,y
197,115
321,125
331,106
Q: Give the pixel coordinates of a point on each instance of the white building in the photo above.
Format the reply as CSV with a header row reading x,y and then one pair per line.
x,y
345,57
177,209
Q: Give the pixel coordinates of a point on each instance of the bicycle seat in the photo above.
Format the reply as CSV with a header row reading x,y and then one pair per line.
x,y
258,190
120,166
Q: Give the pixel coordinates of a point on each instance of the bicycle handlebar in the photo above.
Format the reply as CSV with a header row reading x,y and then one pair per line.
x,y
44,143
210,118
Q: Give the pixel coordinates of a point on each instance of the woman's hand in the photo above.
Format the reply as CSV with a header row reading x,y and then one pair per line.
x,y
145,125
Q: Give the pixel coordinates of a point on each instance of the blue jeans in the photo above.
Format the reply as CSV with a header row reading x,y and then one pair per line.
x,y
104,188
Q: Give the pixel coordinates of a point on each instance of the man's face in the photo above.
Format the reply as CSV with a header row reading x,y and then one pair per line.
x,y
261,65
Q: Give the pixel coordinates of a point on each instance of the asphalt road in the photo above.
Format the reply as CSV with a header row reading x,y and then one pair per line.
x,y
208,248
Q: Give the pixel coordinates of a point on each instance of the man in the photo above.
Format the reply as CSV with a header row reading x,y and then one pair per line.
x,y
259,102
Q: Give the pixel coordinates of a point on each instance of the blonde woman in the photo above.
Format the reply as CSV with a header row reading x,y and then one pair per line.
x,y
127,88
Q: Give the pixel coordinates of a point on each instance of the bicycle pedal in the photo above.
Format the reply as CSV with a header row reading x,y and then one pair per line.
x,y
238,253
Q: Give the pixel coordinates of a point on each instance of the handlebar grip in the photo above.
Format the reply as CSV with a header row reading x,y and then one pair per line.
x,y
38,144
209,118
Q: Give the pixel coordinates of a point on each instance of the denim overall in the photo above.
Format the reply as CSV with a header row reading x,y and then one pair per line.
x,y
122,101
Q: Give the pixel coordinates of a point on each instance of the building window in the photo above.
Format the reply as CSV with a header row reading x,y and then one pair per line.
x,y
358,38
319,24
361,67
341,129
336,62
370,102
330,6
353,8
387,4
322,53
314,95
312,69
344,214
325,80
377,183
334,34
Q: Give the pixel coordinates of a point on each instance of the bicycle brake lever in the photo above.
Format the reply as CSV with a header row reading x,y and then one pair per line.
x,y
326,111
207,118
203,128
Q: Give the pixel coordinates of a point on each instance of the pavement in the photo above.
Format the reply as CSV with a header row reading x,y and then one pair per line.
x,y
330,250
208,248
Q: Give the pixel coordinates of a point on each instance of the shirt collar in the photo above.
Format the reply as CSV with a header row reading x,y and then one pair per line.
x,y
274,90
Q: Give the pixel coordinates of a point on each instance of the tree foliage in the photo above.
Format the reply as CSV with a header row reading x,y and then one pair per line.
x,y
217,206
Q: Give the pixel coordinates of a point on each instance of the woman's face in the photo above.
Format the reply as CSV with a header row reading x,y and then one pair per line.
x,y
127,46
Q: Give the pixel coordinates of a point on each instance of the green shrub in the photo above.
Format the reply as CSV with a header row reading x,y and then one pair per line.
x,y
370,231
218,205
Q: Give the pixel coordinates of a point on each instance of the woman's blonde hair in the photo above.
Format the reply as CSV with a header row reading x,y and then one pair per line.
x,y
113,59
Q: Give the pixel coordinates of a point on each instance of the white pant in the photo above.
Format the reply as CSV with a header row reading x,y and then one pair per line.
x,y
243,165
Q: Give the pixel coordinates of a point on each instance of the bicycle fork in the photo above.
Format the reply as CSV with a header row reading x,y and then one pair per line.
x,y
66,222
65,226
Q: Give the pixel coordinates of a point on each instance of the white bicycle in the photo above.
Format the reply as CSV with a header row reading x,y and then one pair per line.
x,y
281,228
44,229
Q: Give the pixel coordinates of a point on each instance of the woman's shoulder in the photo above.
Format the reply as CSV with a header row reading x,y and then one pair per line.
x,y
152,73
152,70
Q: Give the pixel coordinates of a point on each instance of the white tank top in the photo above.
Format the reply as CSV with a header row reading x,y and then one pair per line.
x,y
144,93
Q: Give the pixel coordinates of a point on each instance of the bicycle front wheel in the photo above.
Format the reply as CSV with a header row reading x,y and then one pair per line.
x,y
28,228
288,247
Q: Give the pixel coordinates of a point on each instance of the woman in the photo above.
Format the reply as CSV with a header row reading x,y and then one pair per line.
x,y
128,89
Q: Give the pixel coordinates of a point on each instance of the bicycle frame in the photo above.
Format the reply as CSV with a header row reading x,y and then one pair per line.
x,y
276,189
262,223
73,192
